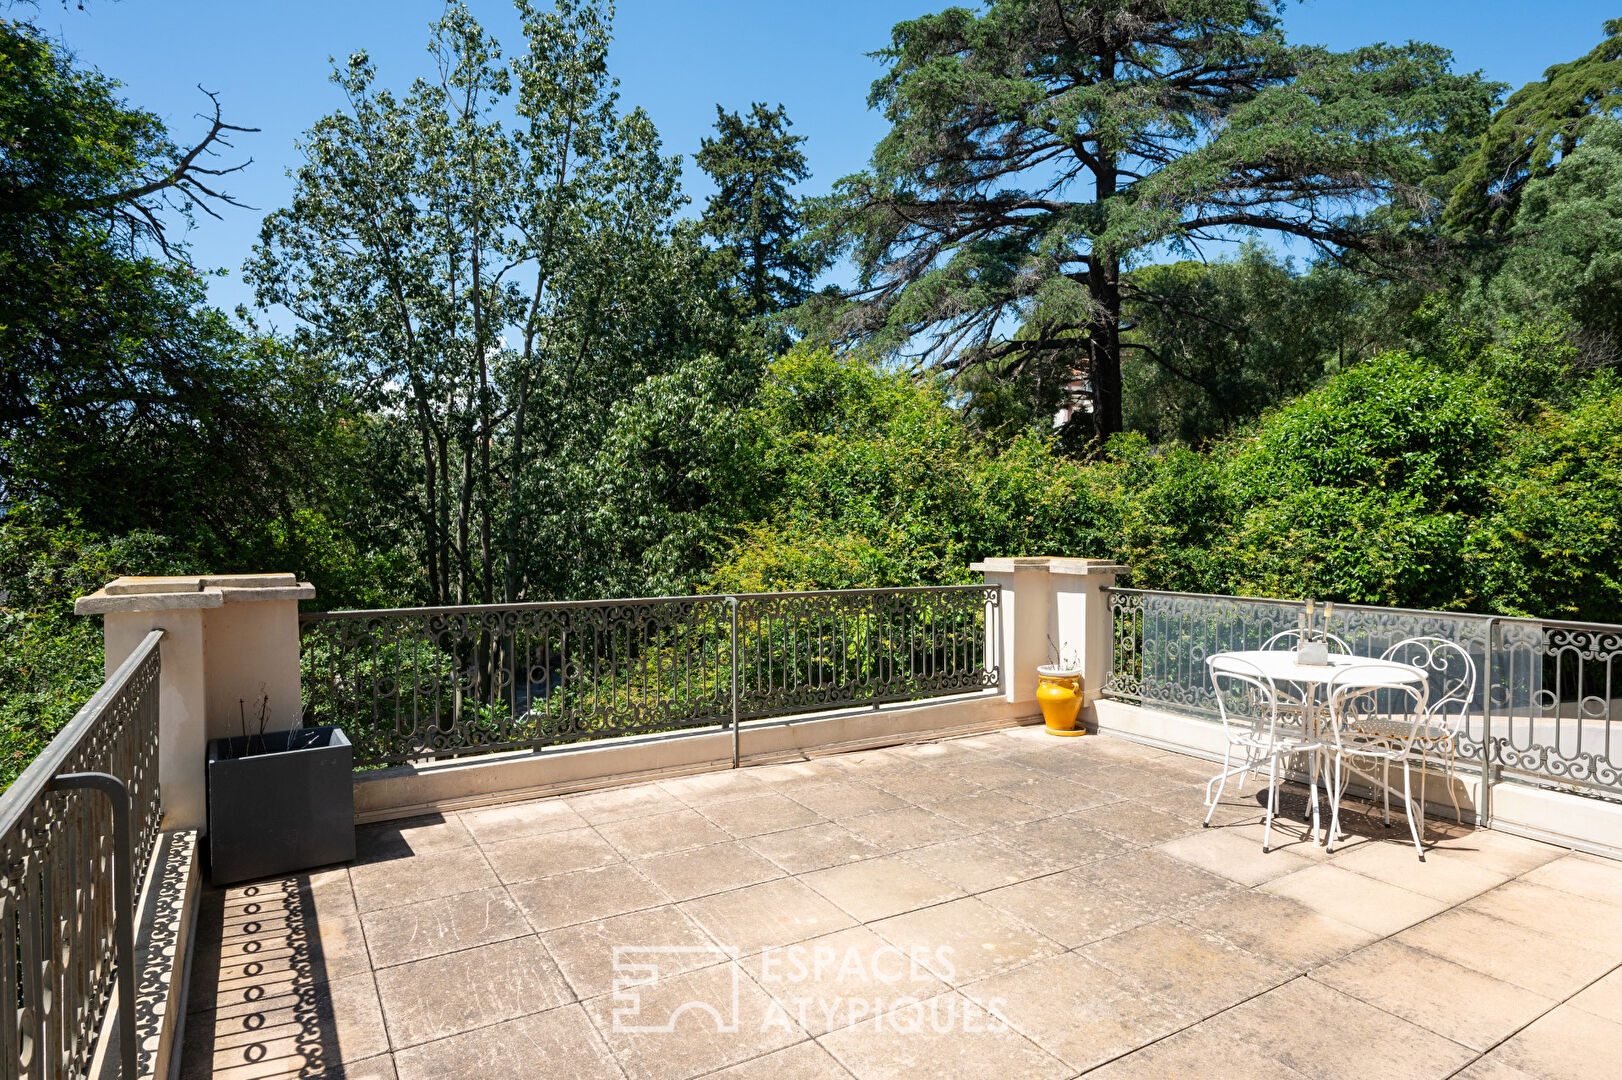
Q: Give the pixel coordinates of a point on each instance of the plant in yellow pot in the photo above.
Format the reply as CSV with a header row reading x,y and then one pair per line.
x,y
1058,692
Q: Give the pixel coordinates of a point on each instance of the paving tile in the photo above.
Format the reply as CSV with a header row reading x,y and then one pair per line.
x,y
802,1061
380,1067
662,833
835,980
549,853
1325,1034
878,888
420,877
410,836
302,1034
1374,905
446,995
1581,875
990,772
791,776
717,868
978,863
757,814
1278,928
1080,1012
770,915
1068,840
664,936
898,830
1551,911
920,786
247,970
722,785
1206,1051
398,935
1492,1067
965,940
1141,781
988,809
1515,954
1189,972
624,803
1567,1042
947,1037
511,821
841,800
815,847
534,1045
1228,855
1058,795
691,1024
1453,1001
1501,851
600,892
1603,998
1140,823
1158,881
1069,908
1447,876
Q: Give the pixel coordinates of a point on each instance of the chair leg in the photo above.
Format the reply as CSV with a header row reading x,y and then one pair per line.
x,y
1452,785
1416,828
1272,800
1334,811
1312,793
1220,780
1385,789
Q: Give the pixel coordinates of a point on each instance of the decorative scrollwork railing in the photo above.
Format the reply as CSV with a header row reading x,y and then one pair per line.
x,y
1547,699
418,684
77,831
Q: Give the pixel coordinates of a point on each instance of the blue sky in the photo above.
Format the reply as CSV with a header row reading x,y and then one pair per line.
x,y
268,60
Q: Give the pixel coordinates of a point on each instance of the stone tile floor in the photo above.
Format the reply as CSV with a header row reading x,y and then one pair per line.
x,y
1002,906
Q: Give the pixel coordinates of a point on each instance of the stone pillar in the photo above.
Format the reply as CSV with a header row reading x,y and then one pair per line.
x,y
1055,600
227,639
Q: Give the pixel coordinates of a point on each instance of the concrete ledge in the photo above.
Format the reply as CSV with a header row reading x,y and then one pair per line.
x,y
494,778
189,593
165,924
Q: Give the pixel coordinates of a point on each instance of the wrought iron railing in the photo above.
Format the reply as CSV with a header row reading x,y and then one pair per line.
x,y
1547,702
417,684
77,830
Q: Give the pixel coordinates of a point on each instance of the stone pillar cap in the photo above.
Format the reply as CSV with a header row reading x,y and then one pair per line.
x,y
190,591
1053,564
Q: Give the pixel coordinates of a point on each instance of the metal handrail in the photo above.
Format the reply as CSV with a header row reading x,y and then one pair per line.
x,y
428,683
63,876
560,605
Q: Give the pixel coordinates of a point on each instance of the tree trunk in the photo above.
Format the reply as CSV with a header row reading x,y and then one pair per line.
x,y
1104,335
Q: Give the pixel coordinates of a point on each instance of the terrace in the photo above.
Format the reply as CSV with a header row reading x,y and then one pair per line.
x,y
1074,917
805,835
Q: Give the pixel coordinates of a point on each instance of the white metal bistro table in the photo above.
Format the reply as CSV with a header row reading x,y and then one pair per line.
x,y
1280,665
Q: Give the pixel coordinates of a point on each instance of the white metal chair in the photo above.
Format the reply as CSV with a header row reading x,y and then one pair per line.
x,y
1375,717
1451,685
1262,734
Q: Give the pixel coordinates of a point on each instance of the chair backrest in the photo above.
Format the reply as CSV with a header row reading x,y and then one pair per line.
x,y
1285,640
1360,694
1235,681
1450,675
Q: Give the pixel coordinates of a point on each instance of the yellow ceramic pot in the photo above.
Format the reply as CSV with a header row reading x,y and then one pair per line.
x,y
1058,691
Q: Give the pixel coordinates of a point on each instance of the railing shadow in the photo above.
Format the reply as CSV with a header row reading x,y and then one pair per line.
x,y
259,1003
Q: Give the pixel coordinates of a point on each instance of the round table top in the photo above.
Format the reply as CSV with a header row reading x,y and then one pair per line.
x,y
1280,665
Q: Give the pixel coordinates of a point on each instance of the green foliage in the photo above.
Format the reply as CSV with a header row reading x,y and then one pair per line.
x,y
873,479
1036,149
754,217
1541,124
1211,345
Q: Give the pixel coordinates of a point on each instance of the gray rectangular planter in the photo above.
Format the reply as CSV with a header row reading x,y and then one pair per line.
x,y
280,802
